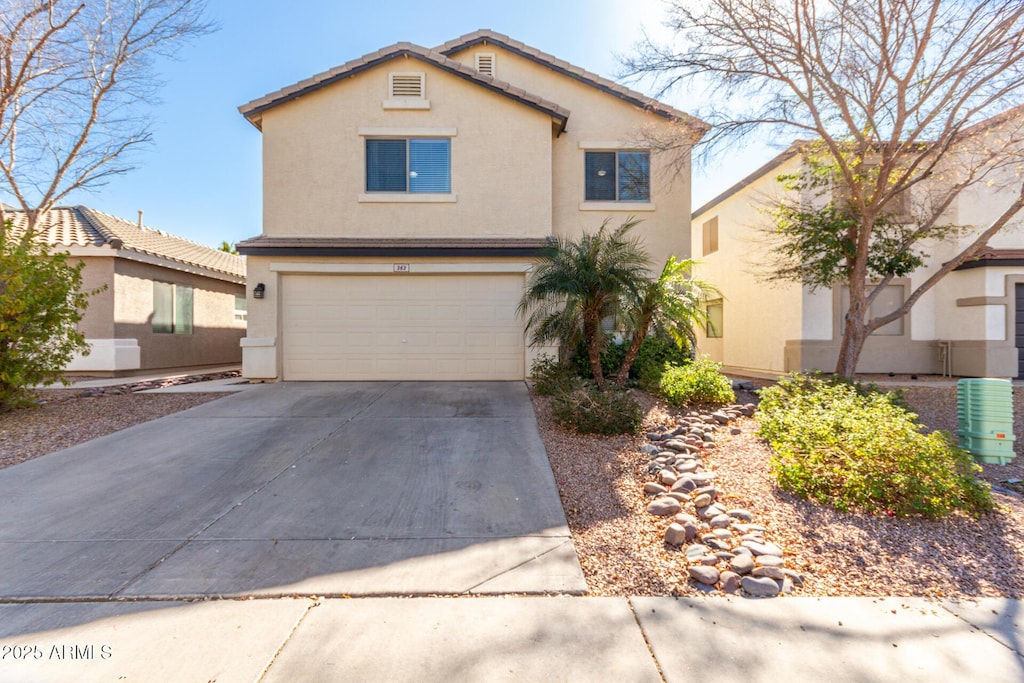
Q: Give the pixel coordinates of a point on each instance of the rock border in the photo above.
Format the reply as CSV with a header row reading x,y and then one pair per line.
x,y
725,549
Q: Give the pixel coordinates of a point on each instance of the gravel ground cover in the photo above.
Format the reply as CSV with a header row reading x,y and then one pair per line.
x,y
622,551
66,417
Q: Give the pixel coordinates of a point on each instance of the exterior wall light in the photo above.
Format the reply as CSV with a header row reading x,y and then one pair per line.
x,y
259,291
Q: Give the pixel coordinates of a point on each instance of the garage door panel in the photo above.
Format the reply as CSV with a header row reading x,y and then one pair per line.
x,y
402,327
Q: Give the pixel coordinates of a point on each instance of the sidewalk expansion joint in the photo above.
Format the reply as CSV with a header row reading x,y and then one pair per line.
x,y
521,564
1017,651
647,643
277,653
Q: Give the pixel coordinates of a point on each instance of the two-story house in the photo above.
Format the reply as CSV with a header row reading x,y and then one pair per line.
x,y
407,193
971,323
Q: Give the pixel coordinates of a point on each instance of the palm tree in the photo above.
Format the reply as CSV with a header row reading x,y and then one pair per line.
x,y
579,283
674,302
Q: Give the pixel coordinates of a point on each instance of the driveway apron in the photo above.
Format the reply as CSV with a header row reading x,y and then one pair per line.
x,y
332,488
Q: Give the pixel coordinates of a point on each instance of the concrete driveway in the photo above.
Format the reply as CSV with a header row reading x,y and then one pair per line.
x,y
297,488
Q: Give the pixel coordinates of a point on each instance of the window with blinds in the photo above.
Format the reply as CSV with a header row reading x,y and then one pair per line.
x,y
620,176
408,165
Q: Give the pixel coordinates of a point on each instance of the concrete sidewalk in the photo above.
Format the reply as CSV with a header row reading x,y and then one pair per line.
x,y
515,639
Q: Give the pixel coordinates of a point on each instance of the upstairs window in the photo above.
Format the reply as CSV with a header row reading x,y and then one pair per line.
x,y
408,165
710,229
622,176
172,308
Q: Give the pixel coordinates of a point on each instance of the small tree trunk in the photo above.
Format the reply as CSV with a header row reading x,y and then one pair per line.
x,y
591,331
855,333
627,362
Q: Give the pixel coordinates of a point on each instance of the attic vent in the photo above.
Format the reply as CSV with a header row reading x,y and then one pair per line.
x,y
407,85
485,63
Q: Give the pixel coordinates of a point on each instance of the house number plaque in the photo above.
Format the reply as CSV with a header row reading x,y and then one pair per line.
x,y
401,267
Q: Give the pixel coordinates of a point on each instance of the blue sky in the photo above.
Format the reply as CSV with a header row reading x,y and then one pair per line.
x,y
201,177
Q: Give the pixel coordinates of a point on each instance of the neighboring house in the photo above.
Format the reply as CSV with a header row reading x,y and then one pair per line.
x,y
407,193
967,325
169,303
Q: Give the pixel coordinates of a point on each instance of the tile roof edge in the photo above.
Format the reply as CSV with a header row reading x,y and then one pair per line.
x,y
638,98
255,107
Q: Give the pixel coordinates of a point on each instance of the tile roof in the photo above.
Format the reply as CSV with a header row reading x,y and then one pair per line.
x,y
80,226
991,256
577,73
253,109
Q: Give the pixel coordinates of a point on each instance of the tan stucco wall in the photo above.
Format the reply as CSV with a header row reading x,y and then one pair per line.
x,y
215,336
98,320
512,174
314,161
759,318
600,118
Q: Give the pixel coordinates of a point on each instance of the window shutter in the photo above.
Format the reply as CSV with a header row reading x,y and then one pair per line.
x,y
407,85
485,63
429,165
600,176
385,166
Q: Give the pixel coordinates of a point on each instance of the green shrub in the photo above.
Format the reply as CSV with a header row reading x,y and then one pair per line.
x,y
858,449
698,382
656,351
40,304
612,355
551,377
591,411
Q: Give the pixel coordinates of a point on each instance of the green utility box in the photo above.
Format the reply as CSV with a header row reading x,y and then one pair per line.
x,y
985,410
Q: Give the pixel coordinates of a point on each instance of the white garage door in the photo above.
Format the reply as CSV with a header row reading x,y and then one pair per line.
x,y
396,327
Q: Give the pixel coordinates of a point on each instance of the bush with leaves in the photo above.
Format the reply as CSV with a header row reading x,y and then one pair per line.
x,y
612,353
698,382
656,352
859,449
590,410
551,377
40,303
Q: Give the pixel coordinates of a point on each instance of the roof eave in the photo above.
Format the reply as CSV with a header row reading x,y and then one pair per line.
x,y
636,99
256,107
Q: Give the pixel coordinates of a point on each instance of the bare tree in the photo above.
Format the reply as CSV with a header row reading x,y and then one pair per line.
x,y
893,93
72,77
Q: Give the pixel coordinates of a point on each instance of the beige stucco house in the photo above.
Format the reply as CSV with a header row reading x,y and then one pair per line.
x,y
967,325
407,193
168,303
